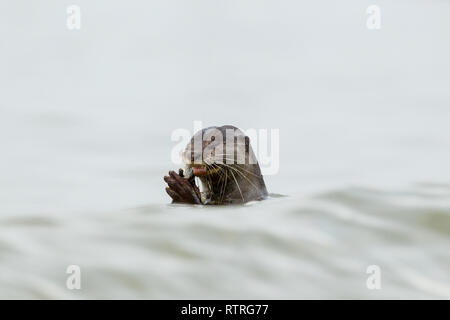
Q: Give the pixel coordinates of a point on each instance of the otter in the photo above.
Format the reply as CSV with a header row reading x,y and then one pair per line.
x,y
224,162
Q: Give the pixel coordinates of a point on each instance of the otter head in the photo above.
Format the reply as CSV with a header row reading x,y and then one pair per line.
x,y
224,162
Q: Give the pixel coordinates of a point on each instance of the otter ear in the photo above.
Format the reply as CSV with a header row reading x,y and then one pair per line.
x,y
247,144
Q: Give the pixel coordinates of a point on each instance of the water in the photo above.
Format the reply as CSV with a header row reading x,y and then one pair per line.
x,y
86,120
289,248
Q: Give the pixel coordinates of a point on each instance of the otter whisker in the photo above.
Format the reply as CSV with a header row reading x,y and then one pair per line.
x,y
219,170
249,172
222,181
223,187
237,170
243,175
233,163
237,184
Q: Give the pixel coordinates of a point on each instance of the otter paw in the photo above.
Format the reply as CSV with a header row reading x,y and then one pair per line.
x,y
180,189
